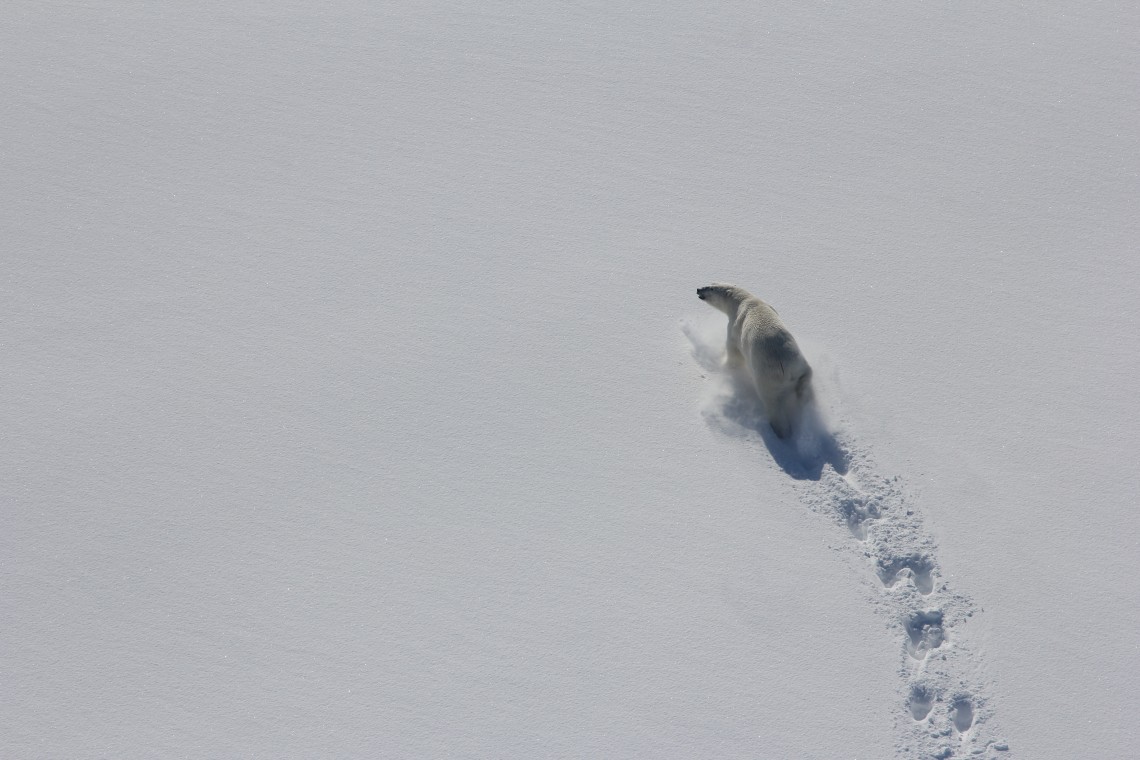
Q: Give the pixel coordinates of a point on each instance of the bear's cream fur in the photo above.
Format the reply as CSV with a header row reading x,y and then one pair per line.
x,y
758,339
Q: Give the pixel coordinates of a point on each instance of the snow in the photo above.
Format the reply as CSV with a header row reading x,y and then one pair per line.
x,y
359,402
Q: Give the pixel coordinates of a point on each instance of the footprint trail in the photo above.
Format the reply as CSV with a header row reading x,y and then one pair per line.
x,y
943,709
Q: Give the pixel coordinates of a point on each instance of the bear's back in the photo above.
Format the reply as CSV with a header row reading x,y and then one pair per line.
x,y
764,335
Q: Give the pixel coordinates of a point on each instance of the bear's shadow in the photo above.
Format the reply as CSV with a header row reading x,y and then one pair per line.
x,y
736,410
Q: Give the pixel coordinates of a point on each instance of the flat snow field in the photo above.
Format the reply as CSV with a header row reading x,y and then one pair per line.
x,y
356,400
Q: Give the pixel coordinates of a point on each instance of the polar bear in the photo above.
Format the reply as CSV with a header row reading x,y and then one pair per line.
x,y
758,339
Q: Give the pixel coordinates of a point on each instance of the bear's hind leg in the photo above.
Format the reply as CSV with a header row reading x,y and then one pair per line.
x,y
803,388
779,413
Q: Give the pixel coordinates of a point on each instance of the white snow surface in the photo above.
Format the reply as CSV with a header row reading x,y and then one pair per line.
x,y
357,401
